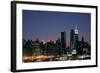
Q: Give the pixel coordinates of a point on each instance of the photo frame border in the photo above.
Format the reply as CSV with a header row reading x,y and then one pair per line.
x,y
13,34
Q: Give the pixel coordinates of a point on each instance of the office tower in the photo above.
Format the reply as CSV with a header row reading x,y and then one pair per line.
x,y
76,32
63,41
72,39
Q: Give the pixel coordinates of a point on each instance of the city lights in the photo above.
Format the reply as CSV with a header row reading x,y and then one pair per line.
x,y
41,51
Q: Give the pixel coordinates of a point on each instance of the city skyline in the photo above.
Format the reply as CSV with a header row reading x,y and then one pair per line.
x,y
34,23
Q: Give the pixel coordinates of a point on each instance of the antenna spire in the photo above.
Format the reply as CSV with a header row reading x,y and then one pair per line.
x,y
76,27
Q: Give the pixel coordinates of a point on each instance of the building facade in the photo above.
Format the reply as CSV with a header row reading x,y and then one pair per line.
x,y
74,38
63,42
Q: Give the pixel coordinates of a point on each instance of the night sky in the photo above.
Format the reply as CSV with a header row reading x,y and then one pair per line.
x,y
47,25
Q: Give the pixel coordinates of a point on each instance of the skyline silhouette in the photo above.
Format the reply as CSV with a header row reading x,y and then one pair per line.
x,y
47,25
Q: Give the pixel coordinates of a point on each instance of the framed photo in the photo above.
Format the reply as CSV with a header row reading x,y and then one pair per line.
x,y
47,36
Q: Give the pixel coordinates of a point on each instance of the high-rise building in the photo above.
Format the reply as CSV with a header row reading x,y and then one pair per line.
x,y
76,33
63,41
72,39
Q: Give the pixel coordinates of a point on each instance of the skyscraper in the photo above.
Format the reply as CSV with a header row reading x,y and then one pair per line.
x,y
72,39
63,41
76,33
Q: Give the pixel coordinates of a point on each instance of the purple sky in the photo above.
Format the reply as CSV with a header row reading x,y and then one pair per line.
x,y
47,25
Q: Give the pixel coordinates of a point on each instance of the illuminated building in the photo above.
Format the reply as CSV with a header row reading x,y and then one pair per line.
x,y
74,40
76,33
